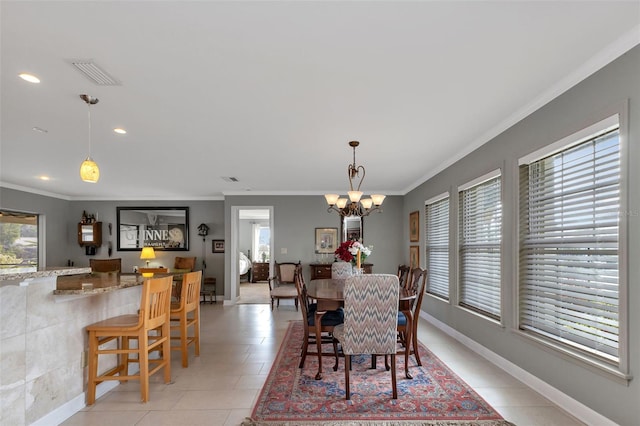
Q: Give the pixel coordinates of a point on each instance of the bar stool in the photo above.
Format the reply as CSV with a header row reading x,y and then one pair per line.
x,y
185,314
153,315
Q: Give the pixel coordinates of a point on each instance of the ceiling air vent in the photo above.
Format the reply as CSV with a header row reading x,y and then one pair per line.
x,y
94,72
229,179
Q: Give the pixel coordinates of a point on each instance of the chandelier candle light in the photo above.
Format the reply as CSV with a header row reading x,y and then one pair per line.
x,y
358,206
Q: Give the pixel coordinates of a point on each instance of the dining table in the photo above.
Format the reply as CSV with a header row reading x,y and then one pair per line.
x,y
329,294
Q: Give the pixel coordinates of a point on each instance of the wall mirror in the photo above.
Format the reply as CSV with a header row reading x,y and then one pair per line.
x,y
163,228
351,228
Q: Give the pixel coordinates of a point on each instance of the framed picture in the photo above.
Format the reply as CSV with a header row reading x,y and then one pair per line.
x,y
414,257
326,240
218,246
414,226
163,228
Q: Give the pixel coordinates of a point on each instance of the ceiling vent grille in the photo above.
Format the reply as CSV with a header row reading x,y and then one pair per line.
x,y
94,72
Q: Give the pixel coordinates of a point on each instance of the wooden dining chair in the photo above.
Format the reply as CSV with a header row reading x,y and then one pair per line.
x,y
403,275
105,265
150,327
370,321
282,285
417,283
310,317
185,314
341,270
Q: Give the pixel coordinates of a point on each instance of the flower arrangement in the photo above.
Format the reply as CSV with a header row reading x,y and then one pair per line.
x,y
348,252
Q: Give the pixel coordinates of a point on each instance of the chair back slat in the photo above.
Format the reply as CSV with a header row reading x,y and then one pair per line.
x,y
419,281
156,302
370,314
404,276
190,292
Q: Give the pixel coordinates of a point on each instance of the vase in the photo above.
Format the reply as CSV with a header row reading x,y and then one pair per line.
x,y
357,271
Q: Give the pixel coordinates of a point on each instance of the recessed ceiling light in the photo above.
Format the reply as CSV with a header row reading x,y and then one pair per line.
x,y
43,177
120,131
29,77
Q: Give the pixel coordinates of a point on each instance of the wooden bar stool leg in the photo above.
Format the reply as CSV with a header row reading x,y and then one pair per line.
x,y
93,368
143,358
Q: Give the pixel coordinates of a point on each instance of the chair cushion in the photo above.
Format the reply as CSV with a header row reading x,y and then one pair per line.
x,y
285,291
331,318
402,319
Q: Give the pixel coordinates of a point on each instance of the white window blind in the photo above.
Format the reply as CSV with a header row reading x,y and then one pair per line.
x,y
479,248
569,228
437,247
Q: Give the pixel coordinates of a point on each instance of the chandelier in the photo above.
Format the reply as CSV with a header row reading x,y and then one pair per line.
x,y
355,205
89,171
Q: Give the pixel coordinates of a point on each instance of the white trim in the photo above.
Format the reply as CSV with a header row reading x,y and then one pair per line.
x,y
562,400
573,139
437,198
481,179
69,408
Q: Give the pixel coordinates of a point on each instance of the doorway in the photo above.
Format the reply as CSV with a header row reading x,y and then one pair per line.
x,y
252,242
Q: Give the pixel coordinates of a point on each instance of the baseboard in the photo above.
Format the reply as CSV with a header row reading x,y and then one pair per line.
x,y
68,409
564,401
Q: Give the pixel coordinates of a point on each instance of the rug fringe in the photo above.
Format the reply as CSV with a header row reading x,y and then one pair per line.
x,y
250,422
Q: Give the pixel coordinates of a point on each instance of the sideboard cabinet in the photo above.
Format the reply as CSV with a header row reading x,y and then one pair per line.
x,y
323,270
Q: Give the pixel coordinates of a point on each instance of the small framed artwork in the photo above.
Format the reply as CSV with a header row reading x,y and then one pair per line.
x,y
326,240
218,246
414,226
414,257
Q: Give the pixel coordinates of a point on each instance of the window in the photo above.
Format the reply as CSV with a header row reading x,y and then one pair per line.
x,y
261,242
569,244
479,245
437,245
18,242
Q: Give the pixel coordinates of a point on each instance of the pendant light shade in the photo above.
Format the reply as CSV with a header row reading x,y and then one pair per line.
x,y
89,171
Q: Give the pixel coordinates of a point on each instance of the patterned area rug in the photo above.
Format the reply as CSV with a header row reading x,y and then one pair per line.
x,y
435,396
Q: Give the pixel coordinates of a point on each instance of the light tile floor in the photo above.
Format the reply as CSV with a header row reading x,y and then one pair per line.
x,y
239,344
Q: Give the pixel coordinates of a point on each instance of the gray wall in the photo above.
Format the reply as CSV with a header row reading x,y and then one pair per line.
x,y
578,107
62,219
296,217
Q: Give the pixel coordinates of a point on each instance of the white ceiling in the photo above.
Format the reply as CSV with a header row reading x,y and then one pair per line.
x,y
271,92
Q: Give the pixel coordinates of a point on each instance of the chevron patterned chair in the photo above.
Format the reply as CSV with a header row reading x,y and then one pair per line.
x,y
341,270
370,321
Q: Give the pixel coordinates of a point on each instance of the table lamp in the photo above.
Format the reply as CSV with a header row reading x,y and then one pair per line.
x,y
147,253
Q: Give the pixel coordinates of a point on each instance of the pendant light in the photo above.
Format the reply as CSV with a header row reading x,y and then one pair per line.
x,y
89,171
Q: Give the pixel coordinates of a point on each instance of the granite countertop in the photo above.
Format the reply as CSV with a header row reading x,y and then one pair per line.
x,y
50,272
87,284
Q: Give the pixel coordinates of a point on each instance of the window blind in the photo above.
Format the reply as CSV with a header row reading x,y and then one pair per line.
x,y
569,227
437,247
479,248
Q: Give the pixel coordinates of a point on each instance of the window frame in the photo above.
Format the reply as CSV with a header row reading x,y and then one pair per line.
x,y
427,250
617,114
486,314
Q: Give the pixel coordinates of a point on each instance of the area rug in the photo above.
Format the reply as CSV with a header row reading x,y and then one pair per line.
x,y
435,396
254,294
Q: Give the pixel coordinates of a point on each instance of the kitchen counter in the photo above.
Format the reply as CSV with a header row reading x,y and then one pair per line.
x,y
24,278
87,284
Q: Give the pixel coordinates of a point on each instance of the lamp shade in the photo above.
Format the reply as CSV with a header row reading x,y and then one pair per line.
x,y
89,171
147,253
